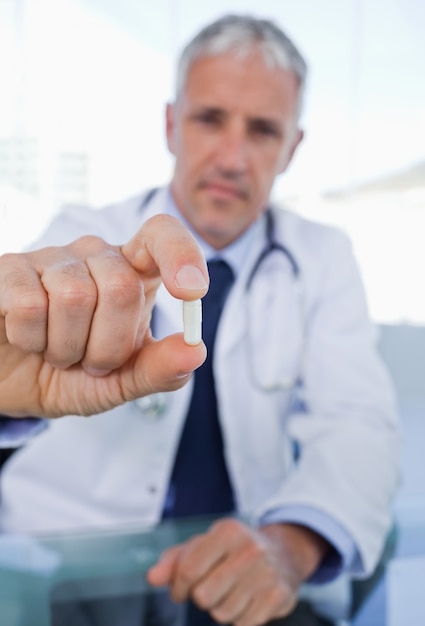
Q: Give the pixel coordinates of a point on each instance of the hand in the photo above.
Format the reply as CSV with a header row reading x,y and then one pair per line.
x,y
239,575
74,322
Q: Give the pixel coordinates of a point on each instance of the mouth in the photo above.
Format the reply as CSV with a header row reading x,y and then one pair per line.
x,y
224,191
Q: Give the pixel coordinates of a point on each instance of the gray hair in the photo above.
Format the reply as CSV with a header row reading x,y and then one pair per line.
x,y
240,34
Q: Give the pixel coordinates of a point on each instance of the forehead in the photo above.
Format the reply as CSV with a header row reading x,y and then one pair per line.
x,y
246,84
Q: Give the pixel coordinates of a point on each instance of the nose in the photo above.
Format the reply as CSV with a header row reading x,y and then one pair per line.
x,y
232,156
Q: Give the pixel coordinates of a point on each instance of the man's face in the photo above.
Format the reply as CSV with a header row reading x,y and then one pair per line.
x,y
232,131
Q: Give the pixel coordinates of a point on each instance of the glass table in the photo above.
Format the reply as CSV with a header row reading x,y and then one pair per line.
x,y
43,580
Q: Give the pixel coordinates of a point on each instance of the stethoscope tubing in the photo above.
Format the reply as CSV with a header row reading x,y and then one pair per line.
x,y
272,246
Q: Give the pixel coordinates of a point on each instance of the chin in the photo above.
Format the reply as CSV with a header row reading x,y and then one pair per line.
x,y
219,235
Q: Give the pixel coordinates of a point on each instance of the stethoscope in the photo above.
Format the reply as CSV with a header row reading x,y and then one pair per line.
x,y
271,246
272,375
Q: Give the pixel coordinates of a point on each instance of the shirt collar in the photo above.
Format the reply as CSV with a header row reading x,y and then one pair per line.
x,y
235,254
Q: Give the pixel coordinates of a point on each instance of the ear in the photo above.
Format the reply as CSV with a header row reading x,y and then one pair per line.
x,y
169,126
299,136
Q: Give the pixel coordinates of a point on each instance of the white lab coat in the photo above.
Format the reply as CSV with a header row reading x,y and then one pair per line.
x,y
114,468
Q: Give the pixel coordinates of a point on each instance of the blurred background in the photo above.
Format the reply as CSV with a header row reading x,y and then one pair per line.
x,y
84,83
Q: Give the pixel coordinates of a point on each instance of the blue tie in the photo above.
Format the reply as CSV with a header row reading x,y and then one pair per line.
x,y
200,482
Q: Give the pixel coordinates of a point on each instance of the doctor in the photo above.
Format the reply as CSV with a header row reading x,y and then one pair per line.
x,y
294,363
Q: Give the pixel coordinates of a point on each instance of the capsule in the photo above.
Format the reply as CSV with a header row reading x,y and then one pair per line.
x,y
192,321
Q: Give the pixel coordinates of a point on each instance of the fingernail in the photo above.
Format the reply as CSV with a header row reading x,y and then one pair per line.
x,y
190,277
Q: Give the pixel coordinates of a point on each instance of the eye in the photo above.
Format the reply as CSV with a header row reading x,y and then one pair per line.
x,y
209,117
264,128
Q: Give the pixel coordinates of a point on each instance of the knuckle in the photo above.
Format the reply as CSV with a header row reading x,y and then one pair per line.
x,y
126,290
107,361
73,347
245,621
28,343
18,272
201,597
24,322
253,553
220,615
65,355
77,296
90,243
73,269
23,290
277,597
30,307
186,573
228,528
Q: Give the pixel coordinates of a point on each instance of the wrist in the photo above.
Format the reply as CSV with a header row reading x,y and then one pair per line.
x,y
300,550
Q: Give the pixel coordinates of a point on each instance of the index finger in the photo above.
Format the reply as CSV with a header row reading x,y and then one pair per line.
x,y
164,247
196,560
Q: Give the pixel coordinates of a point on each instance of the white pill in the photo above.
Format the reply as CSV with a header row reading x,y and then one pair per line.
x,y
192,321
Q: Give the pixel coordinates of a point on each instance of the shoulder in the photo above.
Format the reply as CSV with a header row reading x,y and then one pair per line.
x,y
323,253
308,239
115,222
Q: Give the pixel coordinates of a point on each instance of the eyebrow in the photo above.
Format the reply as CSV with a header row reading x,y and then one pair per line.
x,y
207,109
214,110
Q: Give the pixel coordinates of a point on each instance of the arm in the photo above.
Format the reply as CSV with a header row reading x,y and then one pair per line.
x,y
347,426
74,322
